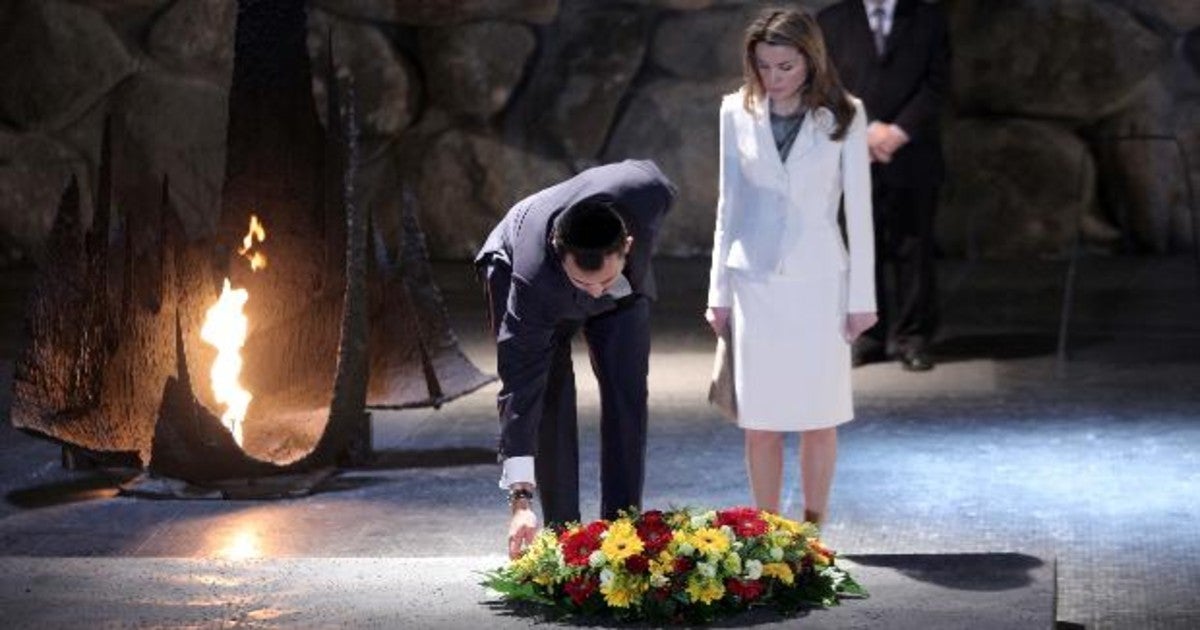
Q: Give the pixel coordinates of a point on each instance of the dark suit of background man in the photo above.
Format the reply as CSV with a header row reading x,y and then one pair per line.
x,y
895,56
540,294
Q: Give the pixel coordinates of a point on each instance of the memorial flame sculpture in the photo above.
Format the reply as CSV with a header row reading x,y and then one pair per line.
x,y
333,326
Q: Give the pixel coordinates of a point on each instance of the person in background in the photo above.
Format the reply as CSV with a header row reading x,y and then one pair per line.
x,y
895,56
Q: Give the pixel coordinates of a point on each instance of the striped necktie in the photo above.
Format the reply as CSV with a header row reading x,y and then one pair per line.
x,y
877,16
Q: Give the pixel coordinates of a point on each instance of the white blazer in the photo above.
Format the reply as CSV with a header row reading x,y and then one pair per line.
x,y
782,218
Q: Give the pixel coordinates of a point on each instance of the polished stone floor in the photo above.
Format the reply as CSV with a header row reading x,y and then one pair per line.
x,y
1092,463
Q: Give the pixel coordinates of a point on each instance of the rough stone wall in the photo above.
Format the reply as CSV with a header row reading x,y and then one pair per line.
x,y
1072,112
1061,110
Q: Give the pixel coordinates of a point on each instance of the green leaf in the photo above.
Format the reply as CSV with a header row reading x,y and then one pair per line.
x,y
516,591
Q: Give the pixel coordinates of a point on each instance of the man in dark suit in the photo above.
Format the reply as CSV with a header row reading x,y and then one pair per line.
x,y
895,56
574,256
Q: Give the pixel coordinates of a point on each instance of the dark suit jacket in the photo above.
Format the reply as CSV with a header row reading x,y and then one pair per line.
x,y
907,85
540,296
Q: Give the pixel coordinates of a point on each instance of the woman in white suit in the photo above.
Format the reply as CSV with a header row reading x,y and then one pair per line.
x,y
793,149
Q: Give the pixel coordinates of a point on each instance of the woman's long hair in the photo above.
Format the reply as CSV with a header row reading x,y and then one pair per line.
x,y
822,87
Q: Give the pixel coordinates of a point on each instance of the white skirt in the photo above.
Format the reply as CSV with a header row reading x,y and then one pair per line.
x,y
791,362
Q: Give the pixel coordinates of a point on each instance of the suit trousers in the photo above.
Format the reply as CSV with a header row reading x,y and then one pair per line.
x,y
905,273
618,343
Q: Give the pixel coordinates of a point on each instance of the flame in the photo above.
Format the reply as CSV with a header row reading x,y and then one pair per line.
x,y
258,260
225,327
257,232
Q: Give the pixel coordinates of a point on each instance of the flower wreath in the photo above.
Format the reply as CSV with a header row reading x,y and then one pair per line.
x,y
677,566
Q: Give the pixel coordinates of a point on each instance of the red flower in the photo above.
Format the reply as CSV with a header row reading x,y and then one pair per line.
x,y
745,521
655,535
595,528
653,516
638,565
683,565
581,587
746,590
660,594
578,545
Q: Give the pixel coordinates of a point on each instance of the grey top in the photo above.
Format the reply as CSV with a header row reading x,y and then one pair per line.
x,y
785,128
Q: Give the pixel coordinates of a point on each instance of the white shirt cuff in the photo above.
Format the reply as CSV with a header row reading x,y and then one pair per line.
x,y
620,287
517,470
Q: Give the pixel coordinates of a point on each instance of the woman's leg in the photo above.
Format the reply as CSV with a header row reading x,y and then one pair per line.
x,y
764,463
818,454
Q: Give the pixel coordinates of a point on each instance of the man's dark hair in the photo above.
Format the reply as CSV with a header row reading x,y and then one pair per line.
x,y
589,231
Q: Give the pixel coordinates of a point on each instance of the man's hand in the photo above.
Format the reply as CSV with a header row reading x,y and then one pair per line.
x,y
857,324
884,139
876,136
522,529
717,318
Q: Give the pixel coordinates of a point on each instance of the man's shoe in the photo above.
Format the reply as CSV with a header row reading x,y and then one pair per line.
x,y
862,356
915,361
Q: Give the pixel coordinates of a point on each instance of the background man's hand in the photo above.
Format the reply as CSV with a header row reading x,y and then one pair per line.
x,y
857,324
522,529
717,318
884,139
876,136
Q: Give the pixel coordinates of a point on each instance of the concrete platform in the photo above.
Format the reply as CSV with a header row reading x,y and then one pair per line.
x,y
910,592
996,450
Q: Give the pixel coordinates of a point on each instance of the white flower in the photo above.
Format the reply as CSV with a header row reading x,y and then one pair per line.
x,y
606,576
686,549
753,569
597,559
699,521
776,554
658,580
707,569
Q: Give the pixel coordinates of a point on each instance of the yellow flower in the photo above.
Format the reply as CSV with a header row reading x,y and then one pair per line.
x,y
621,542
523,567
710,541
679,520
623,591
705,591
779,570
781,539
664,564
786,524
540,561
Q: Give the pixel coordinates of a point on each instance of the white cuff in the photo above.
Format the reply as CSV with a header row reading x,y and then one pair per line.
x,y
620,287
517,470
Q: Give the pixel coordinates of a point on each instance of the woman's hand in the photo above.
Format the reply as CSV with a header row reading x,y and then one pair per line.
x,y
717,318
857,324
